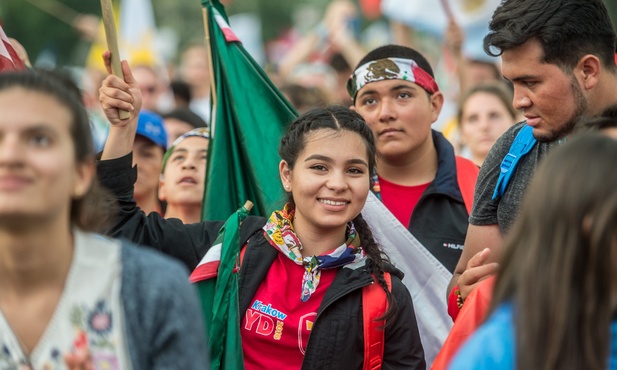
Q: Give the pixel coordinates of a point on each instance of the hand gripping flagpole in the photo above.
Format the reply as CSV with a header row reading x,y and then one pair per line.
x,y
112,45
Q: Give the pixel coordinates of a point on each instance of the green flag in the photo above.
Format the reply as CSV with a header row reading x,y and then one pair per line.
x,y
249,116
218,290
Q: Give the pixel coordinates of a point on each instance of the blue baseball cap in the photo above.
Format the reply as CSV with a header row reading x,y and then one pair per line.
x,y
150,126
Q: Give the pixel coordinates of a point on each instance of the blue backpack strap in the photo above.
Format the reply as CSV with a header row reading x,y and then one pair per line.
x,y
612,356
521,145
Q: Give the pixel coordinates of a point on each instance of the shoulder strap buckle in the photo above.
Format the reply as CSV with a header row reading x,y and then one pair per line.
x,y
522,144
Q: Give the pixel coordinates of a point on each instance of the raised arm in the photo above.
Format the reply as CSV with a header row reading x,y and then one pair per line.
x,y
188,243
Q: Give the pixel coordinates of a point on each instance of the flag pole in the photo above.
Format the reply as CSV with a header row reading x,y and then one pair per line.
x,y
213,98
112,45
56,9
447,10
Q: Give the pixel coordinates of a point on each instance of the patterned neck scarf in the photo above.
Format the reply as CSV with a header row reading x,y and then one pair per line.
x,y
280,233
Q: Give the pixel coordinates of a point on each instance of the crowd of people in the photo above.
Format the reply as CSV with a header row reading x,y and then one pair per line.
x,y
512,195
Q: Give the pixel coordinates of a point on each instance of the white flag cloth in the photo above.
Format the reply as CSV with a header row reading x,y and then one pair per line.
x,y
9,60
425,277
472,15
137,35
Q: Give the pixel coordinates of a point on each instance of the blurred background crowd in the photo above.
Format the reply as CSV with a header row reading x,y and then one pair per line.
x,y
308,48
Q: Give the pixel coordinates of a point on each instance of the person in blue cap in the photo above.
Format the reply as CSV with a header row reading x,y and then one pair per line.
x,y
148,151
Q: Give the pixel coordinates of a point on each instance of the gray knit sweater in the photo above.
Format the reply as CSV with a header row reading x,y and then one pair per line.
x,y
162,317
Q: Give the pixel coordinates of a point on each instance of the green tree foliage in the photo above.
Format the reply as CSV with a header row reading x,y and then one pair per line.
x,y
37,30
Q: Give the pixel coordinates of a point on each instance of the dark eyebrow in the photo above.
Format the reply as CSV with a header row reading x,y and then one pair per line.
x,y
41,127
393,88
320,157
366,92
184,150
401,87
521,78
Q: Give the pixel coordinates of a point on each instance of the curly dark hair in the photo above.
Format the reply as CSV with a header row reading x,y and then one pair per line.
x,y
566,29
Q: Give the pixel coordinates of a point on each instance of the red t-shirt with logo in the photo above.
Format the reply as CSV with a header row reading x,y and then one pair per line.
x,y
277,324
401,200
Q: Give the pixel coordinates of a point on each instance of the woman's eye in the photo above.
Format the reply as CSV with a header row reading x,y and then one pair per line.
x,y
40,140
318,167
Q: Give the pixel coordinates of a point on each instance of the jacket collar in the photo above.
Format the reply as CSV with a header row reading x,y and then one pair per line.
x,y
446,181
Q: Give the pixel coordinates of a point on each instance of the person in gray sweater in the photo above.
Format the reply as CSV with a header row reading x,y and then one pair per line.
x,y
69,297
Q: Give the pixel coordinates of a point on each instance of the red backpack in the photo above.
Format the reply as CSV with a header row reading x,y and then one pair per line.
x,y
374,306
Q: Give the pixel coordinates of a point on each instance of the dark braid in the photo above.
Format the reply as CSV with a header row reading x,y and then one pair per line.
x,y
379,260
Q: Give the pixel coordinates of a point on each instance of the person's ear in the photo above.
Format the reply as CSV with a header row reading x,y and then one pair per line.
x,y
84,175
162,189
436,101
587,71
285,173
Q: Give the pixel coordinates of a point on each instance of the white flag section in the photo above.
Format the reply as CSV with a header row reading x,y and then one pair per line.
x,y
425,277
4,40
137,32
471,15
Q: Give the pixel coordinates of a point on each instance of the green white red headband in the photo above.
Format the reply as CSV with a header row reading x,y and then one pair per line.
x,y
390,69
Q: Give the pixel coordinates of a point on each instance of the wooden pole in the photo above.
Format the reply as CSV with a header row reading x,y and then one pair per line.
x,y
112,45
447,10
213,97
56,9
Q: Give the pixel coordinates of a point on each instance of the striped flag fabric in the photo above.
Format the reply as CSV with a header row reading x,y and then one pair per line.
x,y
217,284
9,60
425,277
249,116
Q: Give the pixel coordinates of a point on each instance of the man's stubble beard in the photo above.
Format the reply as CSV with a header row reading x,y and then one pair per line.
x,y
581,107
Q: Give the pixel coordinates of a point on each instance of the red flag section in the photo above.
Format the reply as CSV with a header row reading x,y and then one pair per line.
x,y
9,60
371,9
